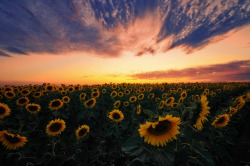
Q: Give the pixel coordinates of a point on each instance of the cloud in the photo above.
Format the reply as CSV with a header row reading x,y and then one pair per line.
x,y
109,27
233,71
4,54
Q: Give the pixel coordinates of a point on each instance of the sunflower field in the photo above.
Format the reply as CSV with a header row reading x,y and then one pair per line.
x,y
122,124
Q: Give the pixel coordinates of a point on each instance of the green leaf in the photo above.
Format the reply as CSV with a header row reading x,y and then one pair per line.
x,y
149,113
132,147
205,155
136,162
163,157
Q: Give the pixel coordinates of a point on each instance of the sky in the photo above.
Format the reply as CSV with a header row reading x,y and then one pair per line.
x,y
137,41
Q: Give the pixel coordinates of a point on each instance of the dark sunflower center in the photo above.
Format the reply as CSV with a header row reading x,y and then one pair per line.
x,y
37,94
82,132
66,99
70,89
221,120
10,94
116,116
174,105
161,128
11,139
184,95
49,88
2,110
169,101
7,89
90,102
22,101
33,108
95,94
132,99
55,103
25,92
55,127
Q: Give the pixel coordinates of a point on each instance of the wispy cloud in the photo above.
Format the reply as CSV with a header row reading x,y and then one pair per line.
x,y
233,71
107,28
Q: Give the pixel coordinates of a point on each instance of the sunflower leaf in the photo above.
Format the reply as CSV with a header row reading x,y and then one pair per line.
x,y
149,113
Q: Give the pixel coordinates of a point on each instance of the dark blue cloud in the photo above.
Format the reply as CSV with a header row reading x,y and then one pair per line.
x,y
59,26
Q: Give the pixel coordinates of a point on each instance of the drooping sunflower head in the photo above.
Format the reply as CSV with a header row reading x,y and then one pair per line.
x,y
201,112
55,104
22,101
117,104
55,127
116,115
82,131
113,94
12,141
95,94
221,121
4,110
169,101
126,103
138,109
37,94
132,99
161,132
9,94
240,104
66,99
90,103
33,108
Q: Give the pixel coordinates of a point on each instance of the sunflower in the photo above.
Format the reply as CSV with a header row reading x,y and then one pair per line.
x,y
33,108
113,94
95,90
95,94
174,105
138,109
179,90
151,96
120,94
116,115
82,96
82,131
161,132
60,89
164,95
90,103
22,101
169,101
8,88
66,99
184,94
132,99
127,92
4,110
240,105
161,104
25,92
49,88
180,100
221,121
170,92
162,88
55,127
63,92
55,104
104,91
203,112
12,141
9,94
232,111
126,103
37,94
